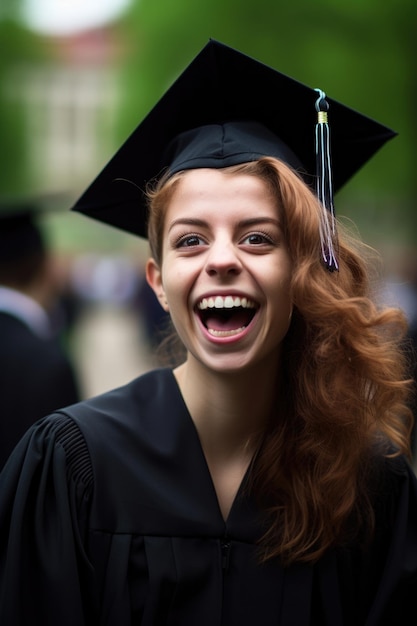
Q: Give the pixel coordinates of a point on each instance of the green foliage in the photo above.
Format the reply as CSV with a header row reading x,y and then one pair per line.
x,y
18,48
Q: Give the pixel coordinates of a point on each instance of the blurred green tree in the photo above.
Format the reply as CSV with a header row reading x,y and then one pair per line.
x,y
18,48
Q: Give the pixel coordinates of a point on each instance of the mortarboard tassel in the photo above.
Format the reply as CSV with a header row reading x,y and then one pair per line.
x,y
324,184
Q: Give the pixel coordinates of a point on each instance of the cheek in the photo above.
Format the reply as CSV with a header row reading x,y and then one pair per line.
x,y
281,293
178,278
176,289
280,276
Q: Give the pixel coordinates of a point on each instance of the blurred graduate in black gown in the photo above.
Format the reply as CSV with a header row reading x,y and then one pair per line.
x,y
36,373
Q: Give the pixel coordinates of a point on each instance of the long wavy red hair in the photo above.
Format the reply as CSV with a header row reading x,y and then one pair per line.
x,y
344,390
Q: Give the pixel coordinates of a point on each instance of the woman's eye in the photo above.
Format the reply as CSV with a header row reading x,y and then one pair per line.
x,y
256,239
190,241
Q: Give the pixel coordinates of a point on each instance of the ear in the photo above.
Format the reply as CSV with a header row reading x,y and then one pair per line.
x,y
154,279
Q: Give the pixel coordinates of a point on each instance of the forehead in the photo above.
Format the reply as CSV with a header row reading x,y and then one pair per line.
x,y
220,184
210,198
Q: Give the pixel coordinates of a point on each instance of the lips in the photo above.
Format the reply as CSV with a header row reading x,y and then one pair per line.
x,y
225,316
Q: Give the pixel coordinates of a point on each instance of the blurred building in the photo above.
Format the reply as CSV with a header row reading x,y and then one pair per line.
x,y
69,106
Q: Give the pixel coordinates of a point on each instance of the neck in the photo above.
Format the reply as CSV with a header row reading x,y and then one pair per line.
x,y
230,413
230,410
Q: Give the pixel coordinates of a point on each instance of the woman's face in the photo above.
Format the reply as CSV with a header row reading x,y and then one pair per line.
x,y
226,270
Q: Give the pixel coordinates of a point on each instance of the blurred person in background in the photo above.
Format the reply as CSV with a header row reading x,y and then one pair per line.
x,y
36,373
265,478
400,289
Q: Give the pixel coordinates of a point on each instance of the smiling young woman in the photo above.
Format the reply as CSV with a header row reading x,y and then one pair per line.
x,y
265,478
337,347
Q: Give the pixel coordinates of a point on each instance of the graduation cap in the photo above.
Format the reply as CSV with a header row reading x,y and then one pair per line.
x,y
227,108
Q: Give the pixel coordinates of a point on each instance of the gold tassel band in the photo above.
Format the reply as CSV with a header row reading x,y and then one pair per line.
x,y
322,117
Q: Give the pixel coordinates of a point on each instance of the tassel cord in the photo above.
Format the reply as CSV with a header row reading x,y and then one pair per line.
x,y
324,184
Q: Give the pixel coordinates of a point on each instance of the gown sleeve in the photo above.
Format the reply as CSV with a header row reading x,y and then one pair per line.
x,y
395,598
45,489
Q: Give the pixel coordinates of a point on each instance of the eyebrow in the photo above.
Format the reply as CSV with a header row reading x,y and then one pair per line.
x,y
252,221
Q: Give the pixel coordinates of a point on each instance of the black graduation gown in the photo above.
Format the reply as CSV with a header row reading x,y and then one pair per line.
x,y
108,515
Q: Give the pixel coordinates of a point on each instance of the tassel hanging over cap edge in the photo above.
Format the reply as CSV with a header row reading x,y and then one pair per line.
x,y
324,184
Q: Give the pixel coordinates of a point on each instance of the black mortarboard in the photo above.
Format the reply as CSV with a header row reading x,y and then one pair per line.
x,y
248,110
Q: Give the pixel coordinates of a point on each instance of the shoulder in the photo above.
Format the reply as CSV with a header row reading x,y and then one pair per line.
x,y
393,488
129,434
79,429
118,419
14,330
52,444
136,409
391,469
22,344
146,392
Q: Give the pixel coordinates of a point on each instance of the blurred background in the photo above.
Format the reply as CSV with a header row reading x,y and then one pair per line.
x,y
77,76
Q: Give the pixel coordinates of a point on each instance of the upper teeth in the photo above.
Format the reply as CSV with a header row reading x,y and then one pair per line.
x,y
227,302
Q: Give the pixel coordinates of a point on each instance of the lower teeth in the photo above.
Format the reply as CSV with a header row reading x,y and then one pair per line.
x,y
225,333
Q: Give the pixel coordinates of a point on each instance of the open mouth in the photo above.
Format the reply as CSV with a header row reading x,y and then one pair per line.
x,y
226,316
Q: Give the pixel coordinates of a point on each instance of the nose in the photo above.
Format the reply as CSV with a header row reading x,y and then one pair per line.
x,y
223,260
